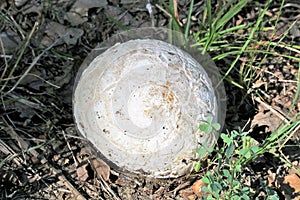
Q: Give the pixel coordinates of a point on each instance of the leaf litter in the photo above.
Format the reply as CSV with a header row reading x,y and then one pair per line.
x,y
38,110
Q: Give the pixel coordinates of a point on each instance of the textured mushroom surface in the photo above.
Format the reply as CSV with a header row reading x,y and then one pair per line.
x,y
140,104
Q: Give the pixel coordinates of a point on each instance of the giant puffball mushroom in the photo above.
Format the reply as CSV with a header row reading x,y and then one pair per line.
x,y
140,103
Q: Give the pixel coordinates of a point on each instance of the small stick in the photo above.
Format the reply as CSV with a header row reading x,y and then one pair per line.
x,y
163,10
176,11
35,60
61,177
69,147
278,114
106,188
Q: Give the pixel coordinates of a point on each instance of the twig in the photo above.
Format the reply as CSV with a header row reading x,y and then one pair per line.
x,y
22,144
68,144
163,10
55,172
20,56
35,60
180,187
64,180
12,155
176,11
53,85
106,187
278,114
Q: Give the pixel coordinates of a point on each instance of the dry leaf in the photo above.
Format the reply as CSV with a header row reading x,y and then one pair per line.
x,y
259,83
266,118
82,173
77,16
55,30
197,188
187,194
10,41
293,181
79,11
101,168
20,3
239,21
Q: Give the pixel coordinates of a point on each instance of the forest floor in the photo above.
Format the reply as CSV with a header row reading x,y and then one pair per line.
x,y
42,45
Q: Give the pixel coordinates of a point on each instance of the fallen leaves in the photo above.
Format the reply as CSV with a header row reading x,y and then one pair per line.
x,y
266,118
194,191
187,194
82,172
197,188
54,31
78,14
288,184
293,181
101,169
9,41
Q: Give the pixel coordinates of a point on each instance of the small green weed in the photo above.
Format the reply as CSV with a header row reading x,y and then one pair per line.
x,y
206,126
226,180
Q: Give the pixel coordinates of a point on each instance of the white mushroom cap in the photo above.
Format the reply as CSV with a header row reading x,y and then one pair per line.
x,y
140,103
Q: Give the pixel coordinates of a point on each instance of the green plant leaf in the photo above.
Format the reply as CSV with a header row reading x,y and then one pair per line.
x,y
205,180
255,149
216,126
187,27
202,152
210,177
205,189
216,187
236,183
226,172
197,166
229,151
245,197
209,197
209,119
205,128
198,150
238,168
232,12
226,139
246,153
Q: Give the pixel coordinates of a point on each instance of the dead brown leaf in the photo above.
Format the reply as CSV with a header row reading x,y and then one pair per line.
x,y
187,194
266,118
197,188
101,169
239,21
288,184
82,173
293,181
259,83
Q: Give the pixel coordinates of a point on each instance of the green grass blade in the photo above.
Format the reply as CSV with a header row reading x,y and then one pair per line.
x,y
231,13
187,28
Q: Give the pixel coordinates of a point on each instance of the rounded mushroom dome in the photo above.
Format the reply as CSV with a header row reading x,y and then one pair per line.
x,y
140,103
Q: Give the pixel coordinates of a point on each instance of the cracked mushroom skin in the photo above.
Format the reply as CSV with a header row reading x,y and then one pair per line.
x,y
140,102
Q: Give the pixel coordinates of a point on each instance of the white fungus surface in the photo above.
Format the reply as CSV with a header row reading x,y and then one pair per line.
x,y
140,104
